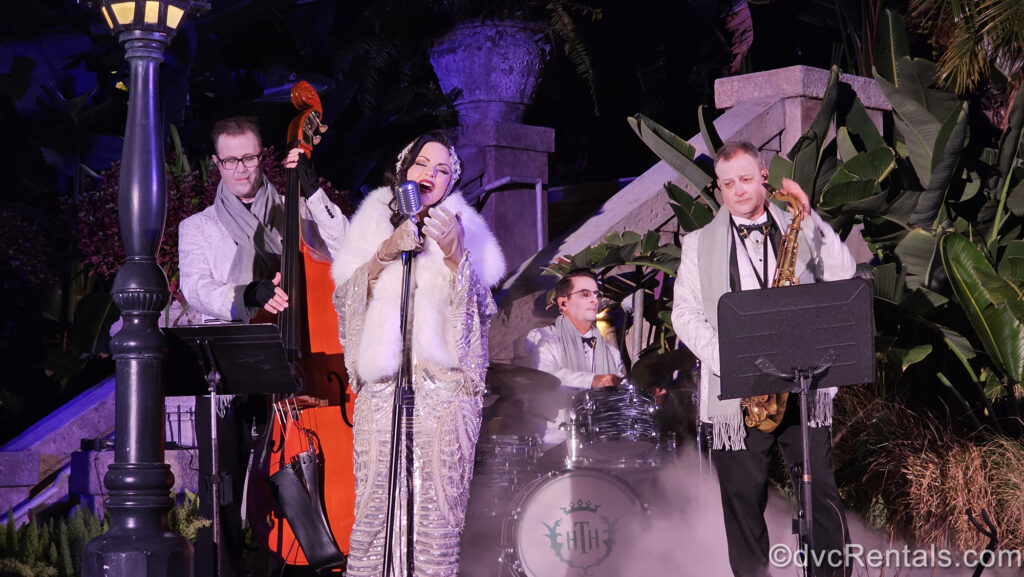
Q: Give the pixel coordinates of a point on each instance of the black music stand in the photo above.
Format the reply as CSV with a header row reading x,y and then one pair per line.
x,y
811,336
221,359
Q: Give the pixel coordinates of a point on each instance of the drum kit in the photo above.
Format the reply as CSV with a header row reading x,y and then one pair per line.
x,y
556,512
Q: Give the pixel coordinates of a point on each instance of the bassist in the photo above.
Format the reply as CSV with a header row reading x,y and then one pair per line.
x,y
230,255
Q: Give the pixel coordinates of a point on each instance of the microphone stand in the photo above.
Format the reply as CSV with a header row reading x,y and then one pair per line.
x,y
403,386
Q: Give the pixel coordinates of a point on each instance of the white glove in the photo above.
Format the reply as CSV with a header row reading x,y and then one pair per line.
x,y
446,230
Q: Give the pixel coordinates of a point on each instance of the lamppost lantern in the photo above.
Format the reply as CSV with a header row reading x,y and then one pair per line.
x,y
163,16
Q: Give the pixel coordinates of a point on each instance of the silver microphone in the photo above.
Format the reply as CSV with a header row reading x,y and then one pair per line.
x,y
409,202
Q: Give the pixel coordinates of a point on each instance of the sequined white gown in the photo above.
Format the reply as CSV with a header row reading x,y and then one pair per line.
x,y
452,312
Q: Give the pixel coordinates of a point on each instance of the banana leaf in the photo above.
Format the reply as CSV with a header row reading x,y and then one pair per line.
x,y
858,181
862,129
906,357
887,283
1015,200
845,145
828,165
919,254
677,152
777,168
917,125
1010,146
1011,265
806,152
873,165
890,44
861,197
707,129
690,214
949,145
992,303
650,242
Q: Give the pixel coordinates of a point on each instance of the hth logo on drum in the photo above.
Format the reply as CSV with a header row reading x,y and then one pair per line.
x,y
581,537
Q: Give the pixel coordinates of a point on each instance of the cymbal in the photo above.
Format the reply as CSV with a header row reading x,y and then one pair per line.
x,y
652,370
509,380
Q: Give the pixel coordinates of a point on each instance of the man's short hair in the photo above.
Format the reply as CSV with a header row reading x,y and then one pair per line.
x,y
564,285
235,126
734,148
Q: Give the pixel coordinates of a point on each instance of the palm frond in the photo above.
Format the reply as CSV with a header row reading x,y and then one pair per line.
x,y
575,49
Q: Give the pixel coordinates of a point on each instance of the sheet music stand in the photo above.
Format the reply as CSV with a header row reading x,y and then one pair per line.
x,y
221,359
795,339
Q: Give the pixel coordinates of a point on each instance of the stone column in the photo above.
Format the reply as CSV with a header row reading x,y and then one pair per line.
x,y
496,66
507,163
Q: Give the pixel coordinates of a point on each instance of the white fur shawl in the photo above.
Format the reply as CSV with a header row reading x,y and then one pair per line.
x,y
379,352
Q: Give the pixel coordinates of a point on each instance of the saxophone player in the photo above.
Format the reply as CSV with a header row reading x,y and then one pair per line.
x,y
737,251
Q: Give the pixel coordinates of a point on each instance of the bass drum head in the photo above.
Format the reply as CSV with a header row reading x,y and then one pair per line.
x,y
573,523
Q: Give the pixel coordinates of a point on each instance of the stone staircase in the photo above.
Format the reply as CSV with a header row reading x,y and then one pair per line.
x,y
47,463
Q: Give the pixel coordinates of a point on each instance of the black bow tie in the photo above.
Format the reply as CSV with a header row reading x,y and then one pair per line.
x,y
592,341
762,227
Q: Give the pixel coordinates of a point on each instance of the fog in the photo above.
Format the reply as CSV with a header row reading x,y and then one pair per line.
x,y
682,533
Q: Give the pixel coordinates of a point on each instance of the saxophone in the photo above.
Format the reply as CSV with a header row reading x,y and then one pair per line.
x,y
765,412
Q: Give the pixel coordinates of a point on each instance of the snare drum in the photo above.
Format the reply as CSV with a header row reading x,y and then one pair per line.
x,y
503,464
615,423
572,523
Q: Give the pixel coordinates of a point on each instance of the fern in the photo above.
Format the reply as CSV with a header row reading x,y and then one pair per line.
x,y
185,519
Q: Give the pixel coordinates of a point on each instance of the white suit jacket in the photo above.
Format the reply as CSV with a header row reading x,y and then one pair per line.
x,y
205,252
543,351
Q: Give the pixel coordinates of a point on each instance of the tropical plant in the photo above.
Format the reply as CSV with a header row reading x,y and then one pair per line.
x,y
977,41
941,214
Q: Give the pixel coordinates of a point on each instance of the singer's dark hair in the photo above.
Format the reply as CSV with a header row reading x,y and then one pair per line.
x,y
395,175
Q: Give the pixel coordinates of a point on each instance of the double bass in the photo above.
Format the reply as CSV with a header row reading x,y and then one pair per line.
x,y
301,491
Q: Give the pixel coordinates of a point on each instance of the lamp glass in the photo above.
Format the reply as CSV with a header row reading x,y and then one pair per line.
x,y
124,12
152,15
174,16
106,16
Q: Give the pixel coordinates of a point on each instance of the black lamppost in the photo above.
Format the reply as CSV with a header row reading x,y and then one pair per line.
x,y
139,544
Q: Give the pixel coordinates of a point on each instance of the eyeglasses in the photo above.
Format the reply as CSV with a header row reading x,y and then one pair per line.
x,y
249,161
587,293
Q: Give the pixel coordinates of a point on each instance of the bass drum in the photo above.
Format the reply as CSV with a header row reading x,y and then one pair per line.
x,y
572,523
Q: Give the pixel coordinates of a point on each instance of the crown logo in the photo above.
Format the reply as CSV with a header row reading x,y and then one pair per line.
x,y
579,505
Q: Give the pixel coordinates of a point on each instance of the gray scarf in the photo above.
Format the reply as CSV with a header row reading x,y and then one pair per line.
x,y
572,350
256,231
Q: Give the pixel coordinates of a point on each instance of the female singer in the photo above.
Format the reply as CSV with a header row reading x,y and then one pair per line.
x,y
450,309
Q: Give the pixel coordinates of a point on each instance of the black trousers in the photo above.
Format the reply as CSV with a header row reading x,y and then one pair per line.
x,y
743,478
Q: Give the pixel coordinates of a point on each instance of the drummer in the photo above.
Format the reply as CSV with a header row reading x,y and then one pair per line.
x,y
572,349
